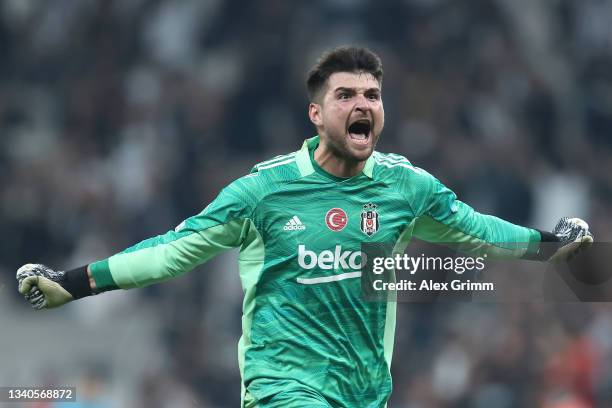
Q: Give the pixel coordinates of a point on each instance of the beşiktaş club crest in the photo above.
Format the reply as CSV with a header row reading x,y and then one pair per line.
x,y
369,219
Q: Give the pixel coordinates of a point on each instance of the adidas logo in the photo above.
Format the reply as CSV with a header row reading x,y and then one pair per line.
x,y
294,224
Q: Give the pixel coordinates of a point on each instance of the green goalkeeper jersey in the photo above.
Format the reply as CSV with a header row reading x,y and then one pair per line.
x,y
305,324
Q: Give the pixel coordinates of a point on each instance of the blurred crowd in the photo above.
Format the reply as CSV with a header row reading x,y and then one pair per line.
x,y
118,119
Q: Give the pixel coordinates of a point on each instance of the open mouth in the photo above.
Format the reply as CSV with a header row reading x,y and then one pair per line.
x,y
359,131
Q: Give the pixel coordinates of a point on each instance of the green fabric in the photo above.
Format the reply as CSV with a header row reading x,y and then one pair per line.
x,y
448,220
305,322
302,158
251,262
101,274
166,260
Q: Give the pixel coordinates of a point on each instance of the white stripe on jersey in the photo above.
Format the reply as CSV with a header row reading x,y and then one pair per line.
x,y
277,158
269,166
389,162
326,279
393,156
407,166
398,159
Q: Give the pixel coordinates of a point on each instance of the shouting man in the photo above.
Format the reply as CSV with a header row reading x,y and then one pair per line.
x,y
309,339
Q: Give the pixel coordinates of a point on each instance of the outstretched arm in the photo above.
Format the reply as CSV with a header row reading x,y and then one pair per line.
x,y
223,225
447,220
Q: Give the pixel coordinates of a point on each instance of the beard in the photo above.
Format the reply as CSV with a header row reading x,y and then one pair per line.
x,y
340,146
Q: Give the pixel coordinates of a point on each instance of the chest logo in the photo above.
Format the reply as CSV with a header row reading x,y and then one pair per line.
x,y
336,219
369,219
294,224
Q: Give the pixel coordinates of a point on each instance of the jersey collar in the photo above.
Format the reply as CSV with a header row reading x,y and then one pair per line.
x,y
304,164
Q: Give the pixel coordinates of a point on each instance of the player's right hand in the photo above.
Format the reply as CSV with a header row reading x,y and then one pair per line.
x,y
39,286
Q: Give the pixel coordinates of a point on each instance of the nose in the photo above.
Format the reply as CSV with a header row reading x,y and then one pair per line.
x,y
361,103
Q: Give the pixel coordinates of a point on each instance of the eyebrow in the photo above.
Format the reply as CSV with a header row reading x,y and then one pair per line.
x,y
343,88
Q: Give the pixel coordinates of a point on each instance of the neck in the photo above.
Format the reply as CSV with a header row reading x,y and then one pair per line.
x,y
336,165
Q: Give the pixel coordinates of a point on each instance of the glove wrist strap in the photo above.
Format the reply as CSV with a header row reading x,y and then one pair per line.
x,y
76,282
551,245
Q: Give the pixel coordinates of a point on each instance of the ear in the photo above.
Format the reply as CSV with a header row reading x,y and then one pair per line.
x,y
314,113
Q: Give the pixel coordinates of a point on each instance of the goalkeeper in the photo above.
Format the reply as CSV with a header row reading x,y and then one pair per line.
x,y
308,337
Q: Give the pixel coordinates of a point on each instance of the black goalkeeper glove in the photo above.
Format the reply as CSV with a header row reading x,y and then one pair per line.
x,y
39,286
573,235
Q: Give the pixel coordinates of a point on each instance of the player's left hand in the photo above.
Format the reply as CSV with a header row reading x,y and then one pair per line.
x,y
573,235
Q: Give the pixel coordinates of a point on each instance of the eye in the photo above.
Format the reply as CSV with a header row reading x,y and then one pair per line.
x,y
343,95
374,96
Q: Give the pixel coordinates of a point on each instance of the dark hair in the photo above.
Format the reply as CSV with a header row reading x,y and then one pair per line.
x,y
342,59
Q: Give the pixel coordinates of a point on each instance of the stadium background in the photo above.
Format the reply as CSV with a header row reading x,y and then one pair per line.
x,y
120,118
